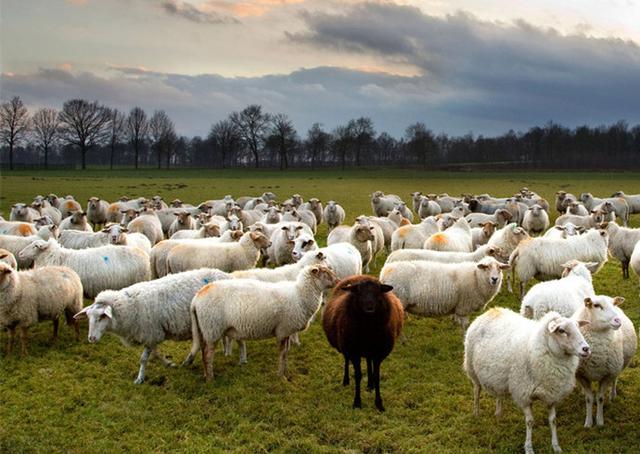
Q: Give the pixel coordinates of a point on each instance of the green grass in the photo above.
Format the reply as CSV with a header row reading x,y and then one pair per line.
x,y
76,397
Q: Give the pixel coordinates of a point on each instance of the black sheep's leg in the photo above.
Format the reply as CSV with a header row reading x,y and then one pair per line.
x,y
345,378
370,378
357,402
376,373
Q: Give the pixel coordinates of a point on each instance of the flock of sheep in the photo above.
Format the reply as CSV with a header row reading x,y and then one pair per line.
x,y
190,272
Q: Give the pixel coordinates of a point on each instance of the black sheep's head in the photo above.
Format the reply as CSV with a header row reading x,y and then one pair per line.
x,y
367,295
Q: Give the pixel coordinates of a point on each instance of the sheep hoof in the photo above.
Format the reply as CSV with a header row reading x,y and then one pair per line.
x,y
556,448
379,406
138,381
357,404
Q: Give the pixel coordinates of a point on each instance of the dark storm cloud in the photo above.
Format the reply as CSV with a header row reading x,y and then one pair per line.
x,y
190,12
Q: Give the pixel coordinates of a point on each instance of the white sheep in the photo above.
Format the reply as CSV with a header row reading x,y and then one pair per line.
x,y
413,236
47,211
101,268
388,224
315,206
416,199
75,239
428,207
632,200
279,251
333,214
536,220
27,297
68,206
299,215
15,244
456,289
403,255
224,256
17,228
564,295
148,313
97,211
21,212
8,258
617,204
577,208
118,235
509,355
148,224
343,258
634,261
182,221
378,241
382,204
622,241
76,221
586,222
359,236
563,231
456,238
282,273
500,217
482,235
404,211
246,309
208,230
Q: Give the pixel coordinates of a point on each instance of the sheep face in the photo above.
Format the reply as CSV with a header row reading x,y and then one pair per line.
x,y
287,206
94,202
176,203
273,215
44,220
367,296
129,215
602,313
78,217
565,338
100,316
19,210
211,229
259,240
34,250
301,245
116,234
364,233
491,269
324,276
292,231
5,275
234,222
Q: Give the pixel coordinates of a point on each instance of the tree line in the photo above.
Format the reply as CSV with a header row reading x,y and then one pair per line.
x,y
94,134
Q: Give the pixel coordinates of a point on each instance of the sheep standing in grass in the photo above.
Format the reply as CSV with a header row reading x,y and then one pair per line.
x,y
47,210
563,199
363,320
246,309
456,238
622,241
333,214
299,215
615,204
509,355
224,256
543,258
279,251
118,235
8,258
413,236
535,220
76,221
382,204
27,297
315,206
21,212
97,211
632,200
457,289
613,342
148,224
148,313
359,236
101,268
428,208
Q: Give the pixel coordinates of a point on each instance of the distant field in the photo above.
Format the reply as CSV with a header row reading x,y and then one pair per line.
x,y
76,397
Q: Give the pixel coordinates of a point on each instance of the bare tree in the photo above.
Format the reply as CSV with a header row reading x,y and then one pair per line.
x,y
116,133
83,124
14,124
284,137
46,130
317,142
137,130
252,125
225,138
421,142
162,134
341,142
363,134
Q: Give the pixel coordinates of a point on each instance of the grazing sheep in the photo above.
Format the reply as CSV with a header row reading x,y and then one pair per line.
x,y
333,214
315,206
535,220
21,212
15,244
224,256
428,208
68,206
75,221
564,295
359,236
208,230
148,313
509,355
182,221
148,224
101,268
363,320
456,238
501,217
404,255
563,231
382,204
97,211
246,309
622,241
342,258
8,258
27,297
632,200
457,289
613,342
543,258
413,236
482,235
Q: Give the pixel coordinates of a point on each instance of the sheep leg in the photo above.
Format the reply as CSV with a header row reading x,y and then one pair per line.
x,y
614,390
227,346
10,341
625,270
523,287
345,377
146,353
357,402
376,374
554,432
602,389
370,375
476,399
588,399
498,412
56,326
243,351
295,338
24,339
508,279
284,349
208,350
528,418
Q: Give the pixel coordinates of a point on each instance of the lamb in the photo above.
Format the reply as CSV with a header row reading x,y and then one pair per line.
x,y
507,354
282,273
564,295
101,268
8,258
482,235
245,309
15,244
632,200
404,255
315,206
333,214
208,230
148,313
363,319
542,258
148,224
535,220
23,213
182,221
358,235
224,256
17,228
97,211
76,221
382,204
456,289
501,217
343,258
27,297
613,342
455,238
563,231
428,208
622,241
413,236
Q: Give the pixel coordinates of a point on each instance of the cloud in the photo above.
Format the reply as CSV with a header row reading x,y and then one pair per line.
x,y
192,13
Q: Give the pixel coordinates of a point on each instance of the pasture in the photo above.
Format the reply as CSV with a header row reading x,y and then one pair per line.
x,y
77,397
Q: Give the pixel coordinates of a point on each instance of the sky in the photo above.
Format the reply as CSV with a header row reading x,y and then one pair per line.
x,y
465,66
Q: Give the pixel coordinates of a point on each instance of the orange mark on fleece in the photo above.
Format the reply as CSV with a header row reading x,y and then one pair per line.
x,y
402,232
26,230
405,221
205,290
494,312
440,238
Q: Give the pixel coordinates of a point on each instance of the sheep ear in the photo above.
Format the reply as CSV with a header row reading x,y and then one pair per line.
x,y
504,266
83,313
43,245
108,311
588,302
483,266
315,270
582,323
618,300
384,288
559,227
603,232
570,264
284,228
254,235
320,256
553,326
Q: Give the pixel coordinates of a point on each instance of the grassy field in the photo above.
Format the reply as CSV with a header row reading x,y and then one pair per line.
x,y
77,397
